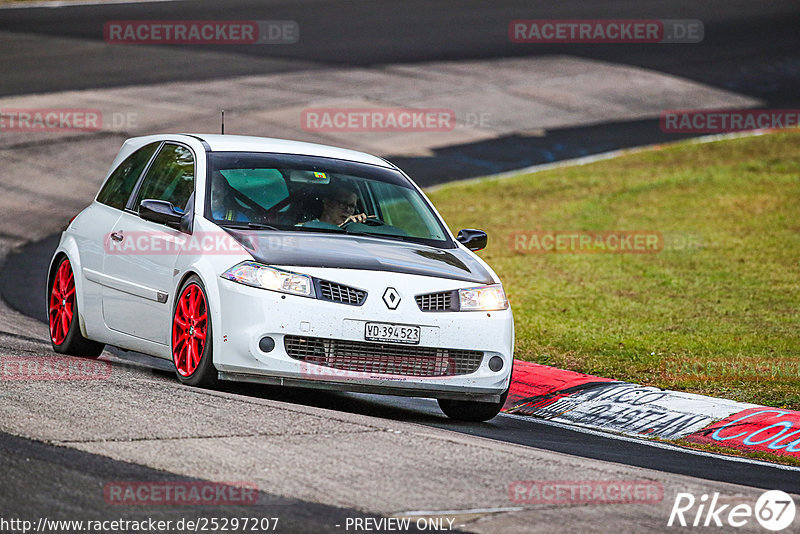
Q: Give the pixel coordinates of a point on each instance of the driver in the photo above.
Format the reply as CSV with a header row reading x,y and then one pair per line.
x,y
223,204
339,205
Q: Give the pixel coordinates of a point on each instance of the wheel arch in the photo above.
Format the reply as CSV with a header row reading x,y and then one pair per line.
x,y
54,263
68,249
206,276
184,277
208,268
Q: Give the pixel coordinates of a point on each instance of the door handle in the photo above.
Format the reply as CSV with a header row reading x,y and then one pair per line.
x,y
117,236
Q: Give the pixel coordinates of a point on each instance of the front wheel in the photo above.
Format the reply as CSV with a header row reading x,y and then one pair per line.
x,y
472,411
62,316
191,336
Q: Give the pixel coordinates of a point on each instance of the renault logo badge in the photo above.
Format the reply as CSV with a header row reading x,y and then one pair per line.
x,y
391,298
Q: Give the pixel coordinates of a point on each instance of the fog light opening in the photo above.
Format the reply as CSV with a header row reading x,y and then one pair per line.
x,y
267,344
496,363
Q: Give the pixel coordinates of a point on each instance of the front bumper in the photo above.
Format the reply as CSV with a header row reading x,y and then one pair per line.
x,y
440,391
247,315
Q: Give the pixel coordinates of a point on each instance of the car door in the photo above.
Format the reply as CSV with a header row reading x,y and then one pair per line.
x,y
91,229
139,265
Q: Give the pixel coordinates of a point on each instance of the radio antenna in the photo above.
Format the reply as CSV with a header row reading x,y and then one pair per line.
x,y
223,122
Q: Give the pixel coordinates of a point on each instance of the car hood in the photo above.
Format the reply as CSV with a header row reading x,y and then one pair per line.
x,y
356,252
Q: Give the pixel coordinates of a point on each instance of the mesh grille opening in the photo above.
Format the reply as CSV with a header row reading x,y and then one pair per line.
x,y
342,294
382,358
442,301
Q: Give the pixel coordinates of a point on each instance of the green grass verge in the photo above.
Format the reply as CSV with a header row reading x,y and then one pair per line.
x,y
755,455
716,312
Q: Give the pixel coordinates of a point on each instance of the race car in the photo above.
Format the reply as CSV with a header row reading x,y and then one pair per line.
x,y
281,262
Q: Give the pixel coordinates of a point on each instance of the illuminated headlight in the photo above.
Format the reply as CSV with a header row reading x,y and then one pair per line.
x,y
483,298
255,274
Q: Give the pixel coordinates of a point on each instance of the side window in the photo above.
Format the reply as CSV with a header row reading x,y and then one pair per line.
x,y
170,178
120,184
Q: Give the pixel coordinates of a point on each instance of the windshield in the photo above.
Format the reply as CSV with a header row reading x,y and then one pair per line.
x,y
305,193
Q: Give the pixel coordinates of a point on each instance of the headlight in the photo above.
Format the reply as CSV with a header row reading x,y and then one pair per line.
x,y
483,298
255,274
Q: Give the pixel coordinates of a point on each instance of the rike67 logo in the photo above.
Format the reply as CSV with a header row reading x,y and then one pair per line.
x,y
774,510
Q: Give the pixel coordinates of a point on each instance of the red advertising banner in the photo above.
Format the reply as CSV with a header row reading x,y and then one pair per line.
x,y
772,430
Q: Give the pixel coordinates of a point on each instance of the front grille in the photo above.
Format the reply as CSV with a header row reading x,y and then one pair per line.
x,y
339,293
436,301
382,358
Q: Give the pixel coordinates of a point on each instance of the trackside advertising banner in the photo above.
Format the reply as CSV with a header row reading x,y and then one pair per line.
x,y
594,402
761,429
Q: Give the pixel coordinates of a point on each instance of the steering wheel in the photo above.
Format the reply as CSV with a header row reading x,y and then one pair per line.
x,y
372,221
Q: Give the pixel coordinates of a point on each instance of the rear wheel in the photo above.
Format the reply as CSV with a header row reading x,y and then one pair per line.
x,y
191,336
473,411
62,313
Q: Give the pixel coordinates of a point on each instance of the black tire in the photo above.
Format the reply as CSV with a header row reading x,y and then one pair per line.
x,y
73,343
204,374
472,411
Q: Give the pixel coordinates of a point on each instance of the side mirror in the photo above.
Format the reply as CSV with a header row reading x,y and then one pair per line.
x,y
472,239
160,211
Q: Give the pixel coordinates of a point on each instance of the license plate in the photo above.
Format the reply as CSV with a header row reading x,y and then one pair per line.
x,y
395,333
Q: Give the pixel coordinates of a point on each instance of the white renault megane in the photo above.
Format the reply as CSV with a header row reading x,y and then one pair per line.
x,y
280,262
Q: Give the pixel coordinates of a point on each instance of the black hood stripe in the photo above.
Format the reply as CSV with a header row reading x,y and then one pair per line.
x,y
302,249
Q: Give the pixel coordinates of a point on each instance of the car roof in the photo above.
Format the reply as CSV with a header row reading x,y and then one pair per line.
x,y
244,143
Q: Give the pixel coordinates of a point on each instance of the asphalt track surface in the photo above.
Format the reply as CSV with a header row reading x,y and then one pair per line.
x,y
24,274
42,481
749,47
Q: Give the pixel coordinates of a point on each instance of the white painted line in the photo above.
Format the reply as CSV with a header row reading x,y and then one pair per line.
x,y
437,513
586,160
656,444
73,3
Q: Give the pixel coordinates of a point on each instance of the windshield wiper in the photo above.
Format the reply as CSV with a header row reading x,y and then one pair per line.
x,y
317,229
260,226
247,226
387,236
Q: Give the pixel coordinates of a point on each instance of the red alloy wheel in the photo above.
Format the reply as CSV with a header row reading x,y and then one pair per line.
x,y
62,303
189,329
